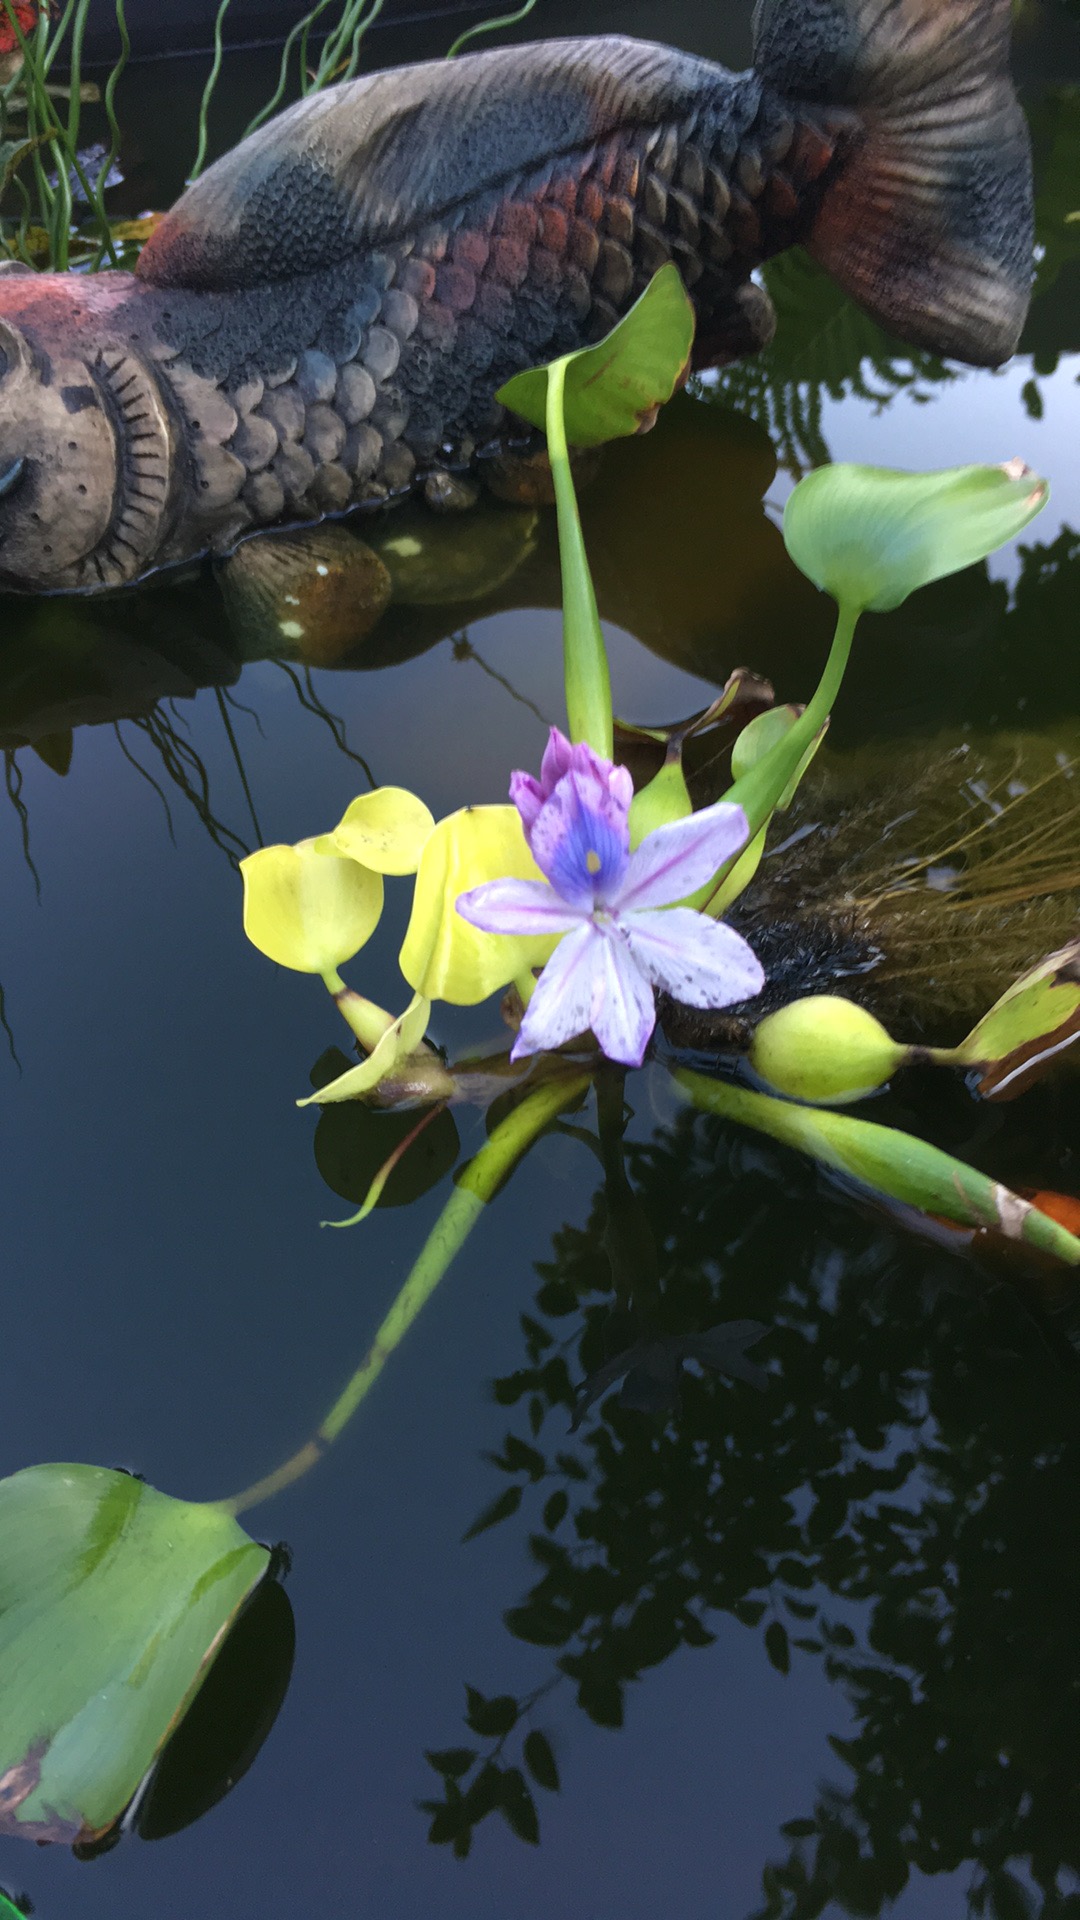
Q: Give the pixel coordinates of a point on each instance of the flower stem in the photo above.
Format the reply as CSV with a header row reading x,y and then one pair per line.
x,y
585,663
760,787
477,1183
367,1021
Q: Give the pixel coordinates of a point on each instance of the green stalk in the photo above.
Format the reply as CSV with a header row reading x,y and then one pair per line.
x,y
585,664
477,1183
888,1162
490,26
758,790
208,92
114,130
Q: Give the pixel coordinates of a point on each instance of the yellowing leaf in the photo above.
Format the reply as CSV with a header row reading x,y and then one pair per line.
x,y
307,910
1035,1021
385,830
398,1042
443,956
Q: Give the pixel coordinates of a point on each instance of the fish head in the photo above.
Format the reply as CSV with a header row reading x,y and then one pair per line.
x,y
59,459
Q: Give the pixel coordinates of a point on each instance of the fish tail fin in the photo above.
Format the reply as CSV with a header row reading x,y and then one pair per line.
x,y
927,220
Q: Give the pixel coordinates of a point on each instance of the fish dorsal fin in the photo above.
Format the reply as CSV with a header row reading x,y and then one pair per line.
x,y
373,159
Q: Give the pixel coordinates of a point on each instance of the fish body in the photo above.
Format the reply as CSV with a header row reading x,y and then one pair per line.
x,y
322,321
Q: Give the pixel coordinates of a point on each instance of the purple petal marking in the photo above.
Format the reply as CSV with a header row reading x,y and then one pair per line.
x,y
699,961
528,797
675,860
561,1005
558,759
623,1008
516,906
581,840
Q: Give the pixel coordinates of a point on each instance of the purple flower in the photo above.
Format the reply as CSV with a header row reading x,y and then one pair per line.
x,y
623,936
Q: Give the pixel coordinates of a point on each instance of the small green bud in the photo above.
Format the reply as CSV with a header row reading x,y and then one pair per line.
x,y
824,1049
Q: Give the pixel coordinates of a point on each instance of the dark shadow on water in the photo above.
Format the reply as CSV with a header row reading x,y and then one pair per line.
x,y
898,1507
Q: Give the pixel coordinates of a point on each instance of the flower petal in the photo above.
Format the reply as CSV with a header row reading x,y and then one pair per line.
x,y
623,1010
561,1005
558,759
675,860
699,961
517,906
581,839
528,797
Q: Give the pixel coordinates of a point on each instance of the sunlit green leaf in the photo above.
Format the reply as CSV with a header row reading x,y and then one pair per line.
x,y
114,1599
307,910
869,536
617,387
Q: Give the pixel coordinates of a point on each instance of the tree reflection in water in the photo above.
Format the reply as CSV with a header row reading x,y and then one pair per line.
x,y
900,1505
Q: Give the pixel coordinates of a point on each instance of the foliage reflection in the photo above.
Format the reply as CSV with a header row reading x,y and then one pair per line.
x,y
898,1506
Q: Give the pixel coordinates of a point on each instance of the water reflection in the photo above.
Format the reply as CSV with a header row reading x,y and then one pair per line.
x,y
897,1506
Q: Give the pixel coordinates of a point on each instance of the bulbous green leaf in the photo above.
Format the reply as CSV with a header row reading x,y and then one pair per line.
x,y
665,798
308,910
384,830
617,387
825,1049
869,536
114,1600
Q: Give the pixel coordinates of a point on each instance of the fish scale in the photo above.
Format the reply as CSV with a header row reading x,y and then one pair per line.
x,y
322,322
577,245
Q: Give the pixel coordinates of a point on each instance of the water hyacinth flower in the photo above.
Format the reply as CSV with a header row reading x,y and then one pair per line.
x,y
622,936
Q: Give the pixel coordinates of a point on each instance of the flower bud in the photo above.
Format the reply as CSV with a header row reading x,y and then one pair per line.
x,y
824,1049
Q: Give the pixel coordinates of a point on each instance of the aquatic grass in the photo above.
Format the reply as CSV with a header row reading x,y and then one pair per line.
x,y
47,131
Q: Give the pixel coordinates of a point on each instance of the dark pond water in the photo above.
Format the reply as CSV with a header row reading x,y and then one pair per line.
x,y
903,1498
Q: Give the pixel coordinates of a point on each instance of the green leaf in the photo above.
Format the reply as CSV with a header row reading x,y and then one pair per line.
x,y
555,1509
501,1508
541,1761
491,1718
452,1761
114,1601
1035,1021
776,1646
617,387
518,1808
869,536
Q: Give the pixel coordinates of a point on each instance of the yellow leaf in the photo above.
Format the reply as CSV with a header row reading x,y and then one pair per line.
x,y
307,910
385,830
397,1043
443,956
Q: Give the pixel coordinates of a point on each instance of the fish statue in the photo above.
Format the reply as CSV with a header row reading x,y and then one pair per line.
x,y
322,320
